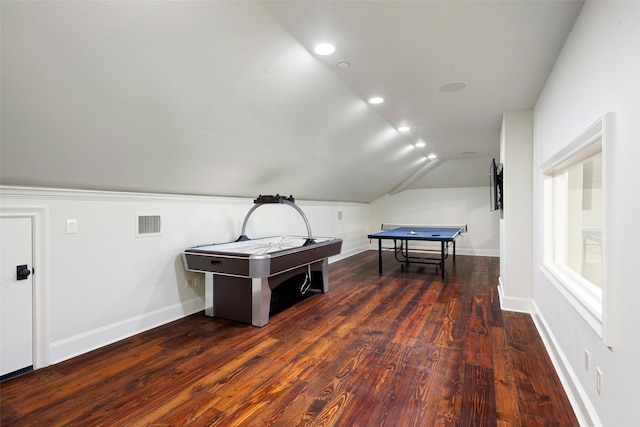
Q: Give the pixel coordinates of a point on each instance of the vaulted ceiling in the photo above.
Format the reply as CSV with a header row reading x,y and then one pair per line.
x,y
228,98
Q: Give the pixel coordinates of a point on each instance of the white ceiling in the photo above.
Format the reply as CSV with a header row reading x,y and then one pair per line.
x,y
227,98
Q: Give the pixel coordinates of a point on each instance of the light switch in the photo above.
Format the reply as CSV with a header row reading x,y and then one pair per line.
x,y
72,226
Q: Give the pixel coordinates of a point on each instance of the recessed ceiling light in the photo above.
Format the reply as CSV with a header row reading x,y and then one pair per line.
x,y
432,156
404,129
420,144
324,49
376,100
343,65
452,87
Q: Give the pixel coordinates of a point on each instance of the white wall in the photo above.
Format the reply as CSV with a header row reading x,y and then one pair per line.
x,y
468,205
516,233
104,283
597,72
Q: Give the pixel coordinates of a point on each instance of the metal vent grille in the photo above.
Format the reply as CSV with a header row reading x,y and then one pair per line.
x,y
148,225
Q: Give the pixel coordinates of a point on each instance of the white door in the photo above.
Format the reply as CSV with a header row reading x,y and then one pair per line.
x,y
16,294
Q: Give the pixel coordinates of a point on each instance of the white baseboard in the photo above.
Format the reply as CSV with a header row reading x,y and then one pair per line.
x,y
518,304
478,252
82,343
346,254
580,402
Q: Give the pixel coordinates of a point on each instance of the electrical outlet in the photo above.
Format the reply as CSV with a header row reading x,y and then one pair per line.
x,y
193,280
599,381
586,360
72,226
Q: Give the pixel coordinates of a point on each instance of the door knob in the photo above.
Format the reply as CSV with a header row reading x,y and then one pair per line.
x,y
22,272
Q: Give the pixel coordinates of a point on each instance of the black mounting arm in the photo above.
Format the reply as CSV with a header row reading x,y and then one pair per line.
x,y
273,199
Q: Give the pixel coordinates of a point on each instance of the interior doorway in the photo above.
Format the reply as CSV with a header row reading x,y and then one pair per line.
x,y
23,326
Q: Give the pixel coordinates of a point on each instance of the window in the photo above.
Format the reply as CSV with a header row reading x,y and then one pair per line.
x,y
575,222
577,218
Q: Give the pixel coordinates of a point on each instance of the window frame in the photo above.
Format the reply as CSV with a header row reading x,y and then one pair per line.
x,y
590,301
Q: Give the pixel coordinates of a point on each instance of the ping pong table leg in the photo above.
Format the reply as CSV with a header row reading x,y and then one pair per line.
x,y
380,257
454,250
442,243
406,252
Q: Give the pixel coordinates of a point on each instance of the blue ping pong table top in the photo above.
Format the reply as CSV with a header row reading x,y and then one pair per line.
x,y
418,233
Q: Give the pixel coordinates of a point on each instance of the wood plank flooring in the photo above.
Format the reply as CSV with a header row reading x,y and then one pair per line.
x,y
402,349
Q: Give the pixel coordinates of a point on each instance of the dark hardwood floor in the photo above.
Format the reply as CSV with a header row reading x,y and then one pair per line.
x,y
402,349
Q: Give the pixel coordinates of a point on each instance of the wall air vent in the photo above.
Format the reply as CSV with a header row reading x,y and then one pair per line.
x,y
148,225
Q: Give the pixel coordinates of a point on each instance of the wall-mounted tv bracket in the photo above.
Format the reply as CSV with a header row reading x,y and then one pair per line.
x,y
265,200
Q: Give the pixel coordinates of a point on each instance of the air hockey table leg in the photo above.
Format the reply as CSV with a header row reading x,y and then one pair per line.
x,y
208,294
260,301
325,275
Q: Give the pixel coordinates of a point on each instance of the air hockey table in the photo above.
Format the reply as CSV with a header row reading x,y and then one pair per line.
x,y
240,275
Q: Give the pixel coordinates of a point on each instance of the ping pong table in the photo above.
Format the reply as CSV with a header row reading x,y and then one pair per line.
x,y
401,235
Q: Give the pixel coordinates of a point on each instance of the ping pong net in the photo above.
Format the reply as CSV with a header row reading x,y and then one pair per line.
x,y
393,226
